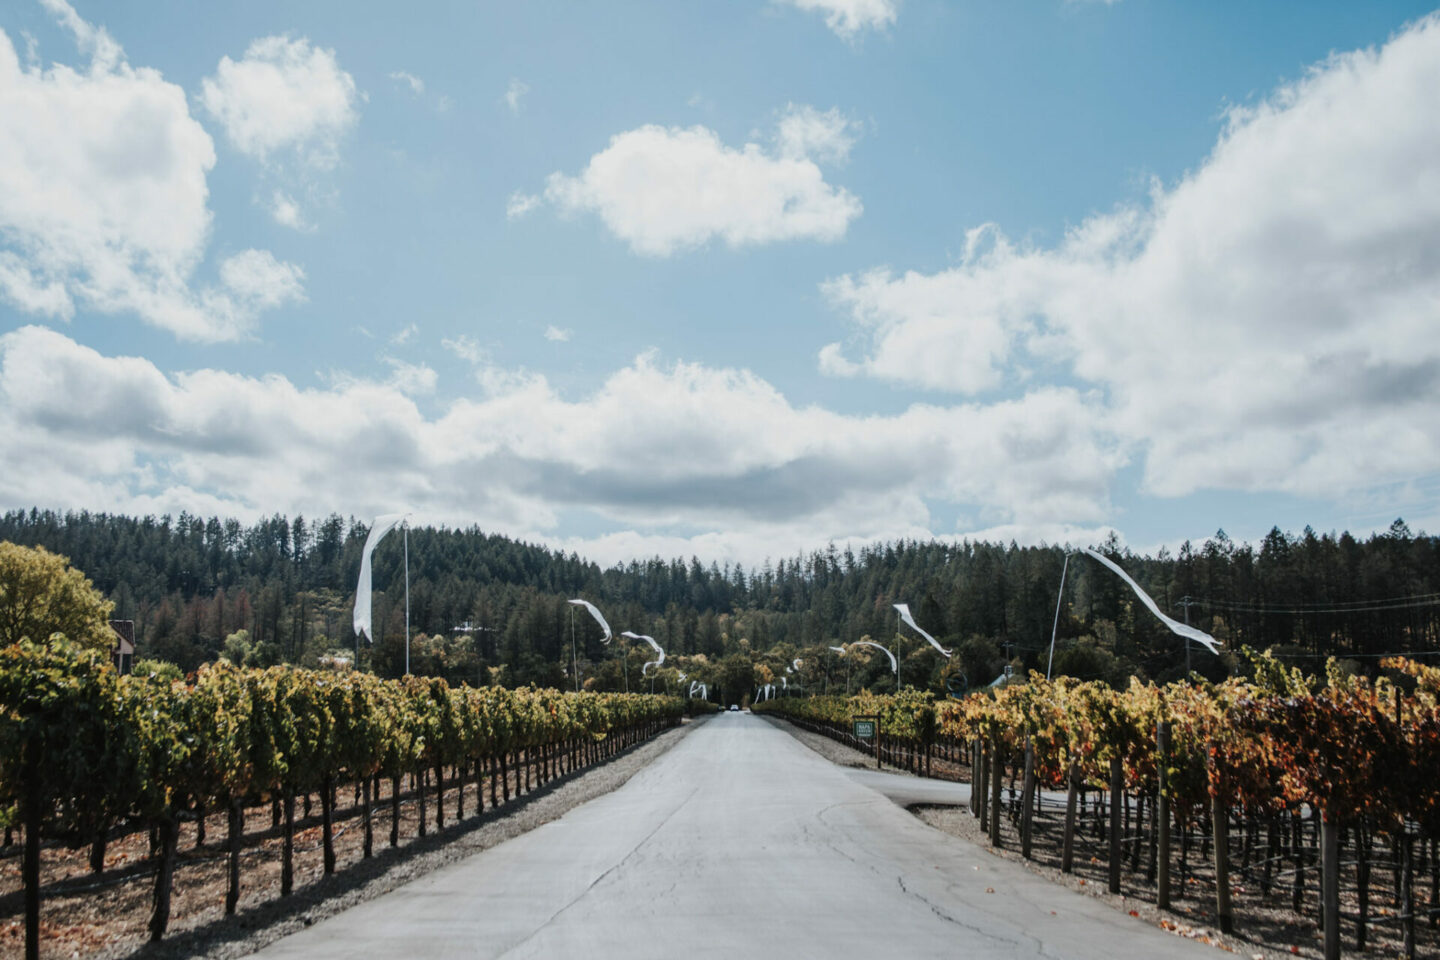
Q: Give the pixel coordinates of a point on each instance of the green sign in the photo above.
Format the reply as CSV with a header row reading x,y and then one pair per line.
x,y
865,729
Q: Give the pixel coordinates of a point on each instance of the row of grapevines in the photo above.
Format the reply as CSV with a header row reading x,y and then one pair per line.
x,y
82,748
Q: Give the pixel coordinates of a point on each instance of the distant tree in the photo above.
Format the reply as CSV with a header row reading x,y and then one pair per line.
x,y
42,595
163,669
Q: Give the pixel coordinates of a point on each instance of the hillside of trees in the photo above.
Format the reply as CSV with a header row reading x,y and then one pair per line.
x,y
282,589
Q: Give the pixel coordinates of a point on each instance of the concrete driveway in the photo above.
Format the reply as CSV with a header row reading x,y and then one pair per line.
x,y
739,841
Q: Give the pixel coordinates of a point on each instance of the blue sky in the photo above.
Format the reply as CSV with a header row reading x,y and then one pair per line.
x,y
728,279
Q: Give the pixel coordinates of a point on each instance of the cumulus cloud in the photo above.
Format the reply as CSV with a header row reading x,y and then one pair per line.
x,y
849,18
556,335
665,190
104,195
283,95
287,104
655,447
1266,323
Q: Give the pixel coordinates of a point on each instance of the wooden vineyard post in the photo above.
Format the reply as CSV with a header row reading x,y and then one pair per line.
x,y
997,776
1407,889
1220,822
1027,798
1330,885
1162,817
369,823
1067,852
30,870
1117,801
975,790
235,830
982,749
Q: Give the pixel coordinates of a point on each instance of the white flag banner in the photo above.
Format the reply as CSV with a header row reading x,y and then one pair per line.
x,y
382,525
839,650
645,670
1189,632
904,609
596,614
894,664
796,664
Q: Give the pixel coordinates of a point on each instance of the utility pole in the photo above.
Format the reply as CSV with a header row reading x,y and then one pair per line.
x,y
1187,603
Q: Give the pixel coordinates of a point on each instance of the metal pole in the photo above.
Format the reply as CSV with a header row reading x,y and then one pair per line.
x,y
407,598
1060,597
574,661
1185,602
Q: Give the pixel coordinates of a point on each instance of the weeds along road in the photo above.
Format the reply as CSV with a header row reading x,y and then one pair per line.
x,y
739,841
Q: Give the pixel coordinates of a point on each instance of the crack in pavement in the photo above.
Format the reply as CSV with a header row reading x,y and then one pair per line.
x,y
600,879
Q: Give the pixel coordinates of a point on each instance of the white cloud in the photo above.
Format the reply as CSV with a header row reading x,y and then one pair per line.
x,y
287,213
284,96
804,132
557,335
655,448
465,347
520,204
256,277
848,18
104,194
514,93
665,190
404,334
416,85
1266,323
411,379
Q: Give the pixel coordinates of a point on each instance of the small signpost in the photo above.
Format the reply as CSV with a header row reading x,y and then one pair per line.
x,y
868,728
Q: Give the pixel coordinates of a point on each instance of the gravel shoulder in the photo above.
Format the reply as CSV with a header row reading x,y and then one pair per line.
x,y
108,923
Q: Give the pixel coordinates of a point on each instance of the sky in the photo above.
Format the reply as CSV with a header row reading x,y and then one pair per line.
x,y
726,280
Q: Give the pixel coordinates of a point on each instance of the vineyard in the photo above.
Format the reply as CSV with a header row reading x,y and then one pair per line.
x,y
89,757
1294,787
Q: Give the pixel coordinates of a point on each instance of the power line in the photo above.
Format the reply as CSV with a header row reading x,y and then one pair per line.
x,y
1356,656
1370,606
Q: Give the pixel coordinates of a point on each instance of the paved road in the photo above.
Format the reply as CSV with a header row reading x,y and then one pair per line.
x,y
739,841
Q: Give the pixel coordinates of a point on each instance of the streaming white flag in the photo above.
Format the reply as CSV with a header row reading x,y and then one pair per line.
x,y
596,614
796,664
645,670
839,650
894,664
382,525
1184,630
904,609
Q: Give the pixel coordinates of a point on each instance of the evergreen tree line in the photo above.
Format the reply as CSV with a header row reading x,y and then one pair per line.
x,y
487,608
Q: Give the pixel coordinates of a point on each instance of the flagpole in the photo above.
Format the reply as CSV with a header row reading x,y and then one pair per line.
x,y
1056,625
574,660
407,598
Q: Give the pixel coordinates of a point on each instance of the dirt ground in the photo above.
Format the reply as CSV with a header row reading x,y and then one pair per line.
x,y
105,917
1265,927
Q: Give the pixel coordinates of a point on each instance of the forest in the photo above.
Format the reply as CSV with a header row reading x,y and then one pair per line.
x,y
488,609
